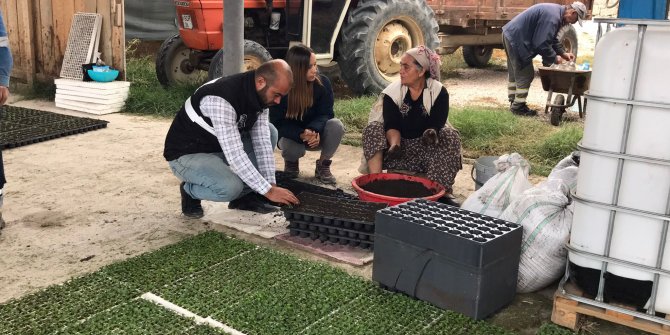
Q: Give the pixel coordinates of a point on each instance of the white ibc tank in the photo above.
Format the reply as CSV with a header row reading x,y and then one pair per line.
x,y
644,185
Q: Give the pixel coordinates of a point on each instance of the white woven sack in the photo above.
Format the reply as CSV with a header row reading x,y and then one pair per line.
x,y
566,170
565,162
568,176
545,213
499,191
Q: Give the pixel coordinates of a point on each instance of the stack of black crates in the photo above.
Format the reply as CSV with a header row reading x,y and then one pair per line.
x,y
334,219
450,257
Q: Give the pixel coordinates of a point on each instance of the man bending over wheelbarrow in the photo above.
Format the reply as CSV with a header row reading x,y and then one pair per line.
x,y
532,33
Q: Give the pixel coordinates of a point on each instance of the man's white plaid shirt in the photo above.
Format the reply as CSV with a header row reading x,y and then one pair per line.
x,y
224,121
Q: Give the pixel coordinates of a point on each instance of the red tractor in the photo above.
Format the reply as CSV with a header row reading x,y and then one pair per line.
x,y
366,38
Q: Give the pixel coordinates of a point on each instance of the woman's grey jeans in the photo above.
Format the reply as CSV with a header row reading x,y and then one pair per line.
x,y
332,135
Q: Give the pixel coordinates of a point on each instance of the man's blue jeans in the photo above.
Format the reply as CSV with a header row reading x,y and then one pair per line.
x,y
207,176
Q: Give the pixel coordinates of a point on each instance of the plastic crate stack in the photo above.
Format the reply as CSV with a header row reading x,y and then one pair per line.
x,y
450,257
332,219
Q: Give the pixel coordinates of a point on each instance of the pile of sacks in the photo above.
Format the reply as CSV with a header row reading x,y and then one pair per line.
x,y
544,211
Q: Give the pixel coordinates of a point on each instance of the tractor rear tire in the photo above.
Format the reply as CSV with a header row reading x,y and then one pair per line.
x,y
376,35
557,112
173,64
477,55
254,55
568,37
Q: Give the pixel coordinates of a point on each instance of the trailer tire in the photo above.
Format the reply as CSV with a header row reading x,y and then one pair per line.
x,y
254,55
477,55
568,37
172,63
377,33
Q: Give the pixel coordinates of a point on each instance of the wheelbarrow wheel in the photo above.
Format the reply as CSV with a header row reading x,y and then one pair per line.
x,y
557,112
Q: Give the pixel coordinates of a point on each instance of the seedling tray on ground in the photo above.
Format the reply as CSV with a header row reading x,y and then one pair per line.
x,y
21,126
337,220
453,258
298,187
328,233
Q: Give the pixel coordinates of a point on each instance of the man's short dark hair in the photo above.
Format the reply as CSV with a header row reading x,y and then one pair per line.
x,y
271,70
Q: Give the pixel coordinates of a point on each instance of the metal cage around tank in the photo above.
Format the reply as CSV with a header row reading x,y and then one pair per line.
x,y
614,207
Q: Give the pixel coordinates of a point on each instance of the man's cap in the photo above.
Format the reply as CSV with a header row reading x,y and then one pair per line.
x,y
581,11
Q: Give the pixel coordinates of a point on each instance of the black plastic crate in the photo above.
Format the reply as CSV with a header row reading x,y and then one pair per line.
x,y
338,220
453,258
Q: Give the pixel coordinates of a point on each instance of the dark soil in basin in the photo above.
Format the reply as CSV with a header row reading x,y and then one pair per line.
x,y
398,188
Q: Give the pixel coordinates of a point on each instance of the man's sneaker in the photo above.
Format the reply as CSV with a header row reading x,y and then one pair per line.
x,y
291,169
322,171
252,202
190,207
524,111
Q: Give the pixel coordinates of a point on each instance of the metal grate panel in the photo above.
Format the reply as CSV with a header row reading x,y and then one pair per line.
x,y
82,43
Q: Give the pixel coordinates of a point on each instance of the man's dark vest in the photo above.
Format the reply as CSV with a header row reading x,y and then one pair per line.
x,y
187,136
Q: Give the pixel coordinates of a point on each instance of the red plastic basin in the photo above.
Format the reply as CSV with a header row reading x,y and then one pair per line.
x,y
374,197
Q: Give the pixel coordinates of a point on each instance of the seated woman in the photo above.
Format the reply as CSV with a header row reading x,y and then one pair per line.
x,y
413,134
305,118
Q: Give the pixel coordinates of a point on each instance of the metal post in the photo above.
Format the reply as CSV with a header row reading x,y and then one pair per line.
x,y
233,36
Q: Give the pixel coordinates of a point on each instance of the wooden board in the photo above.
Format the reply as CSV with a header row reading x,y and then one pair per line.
x,y
105,9
47,53
118,38
26,47
568,313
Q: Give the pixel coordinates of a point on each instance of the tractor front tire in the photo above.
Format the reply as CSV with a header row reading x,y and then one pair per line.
x,y
173,64
254,55
376,35
477,55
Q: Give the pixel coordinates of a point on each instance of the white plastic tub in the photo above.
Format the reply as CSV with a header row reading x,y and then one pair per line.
x,y
644,185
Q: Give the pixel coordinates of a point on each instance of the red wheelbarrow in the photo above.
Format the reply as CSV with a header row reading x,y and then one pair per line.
x,y
574,83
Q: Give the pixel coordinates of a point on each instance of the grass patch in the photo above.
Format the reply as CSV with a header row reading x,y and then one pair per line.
x,y
255,290
554,147
481,128
40,90
493,132
552,329
147,96
451,63
354,114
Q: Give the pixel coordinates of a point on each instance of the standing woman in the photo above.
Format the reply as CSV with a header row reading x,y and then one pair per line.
x,y
413,134
305,118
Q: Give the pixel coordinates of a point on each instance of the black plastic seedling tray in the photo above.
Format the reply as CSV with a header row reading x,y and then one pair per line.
x,y
330,234
21,126
338,220
298,187
448,256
